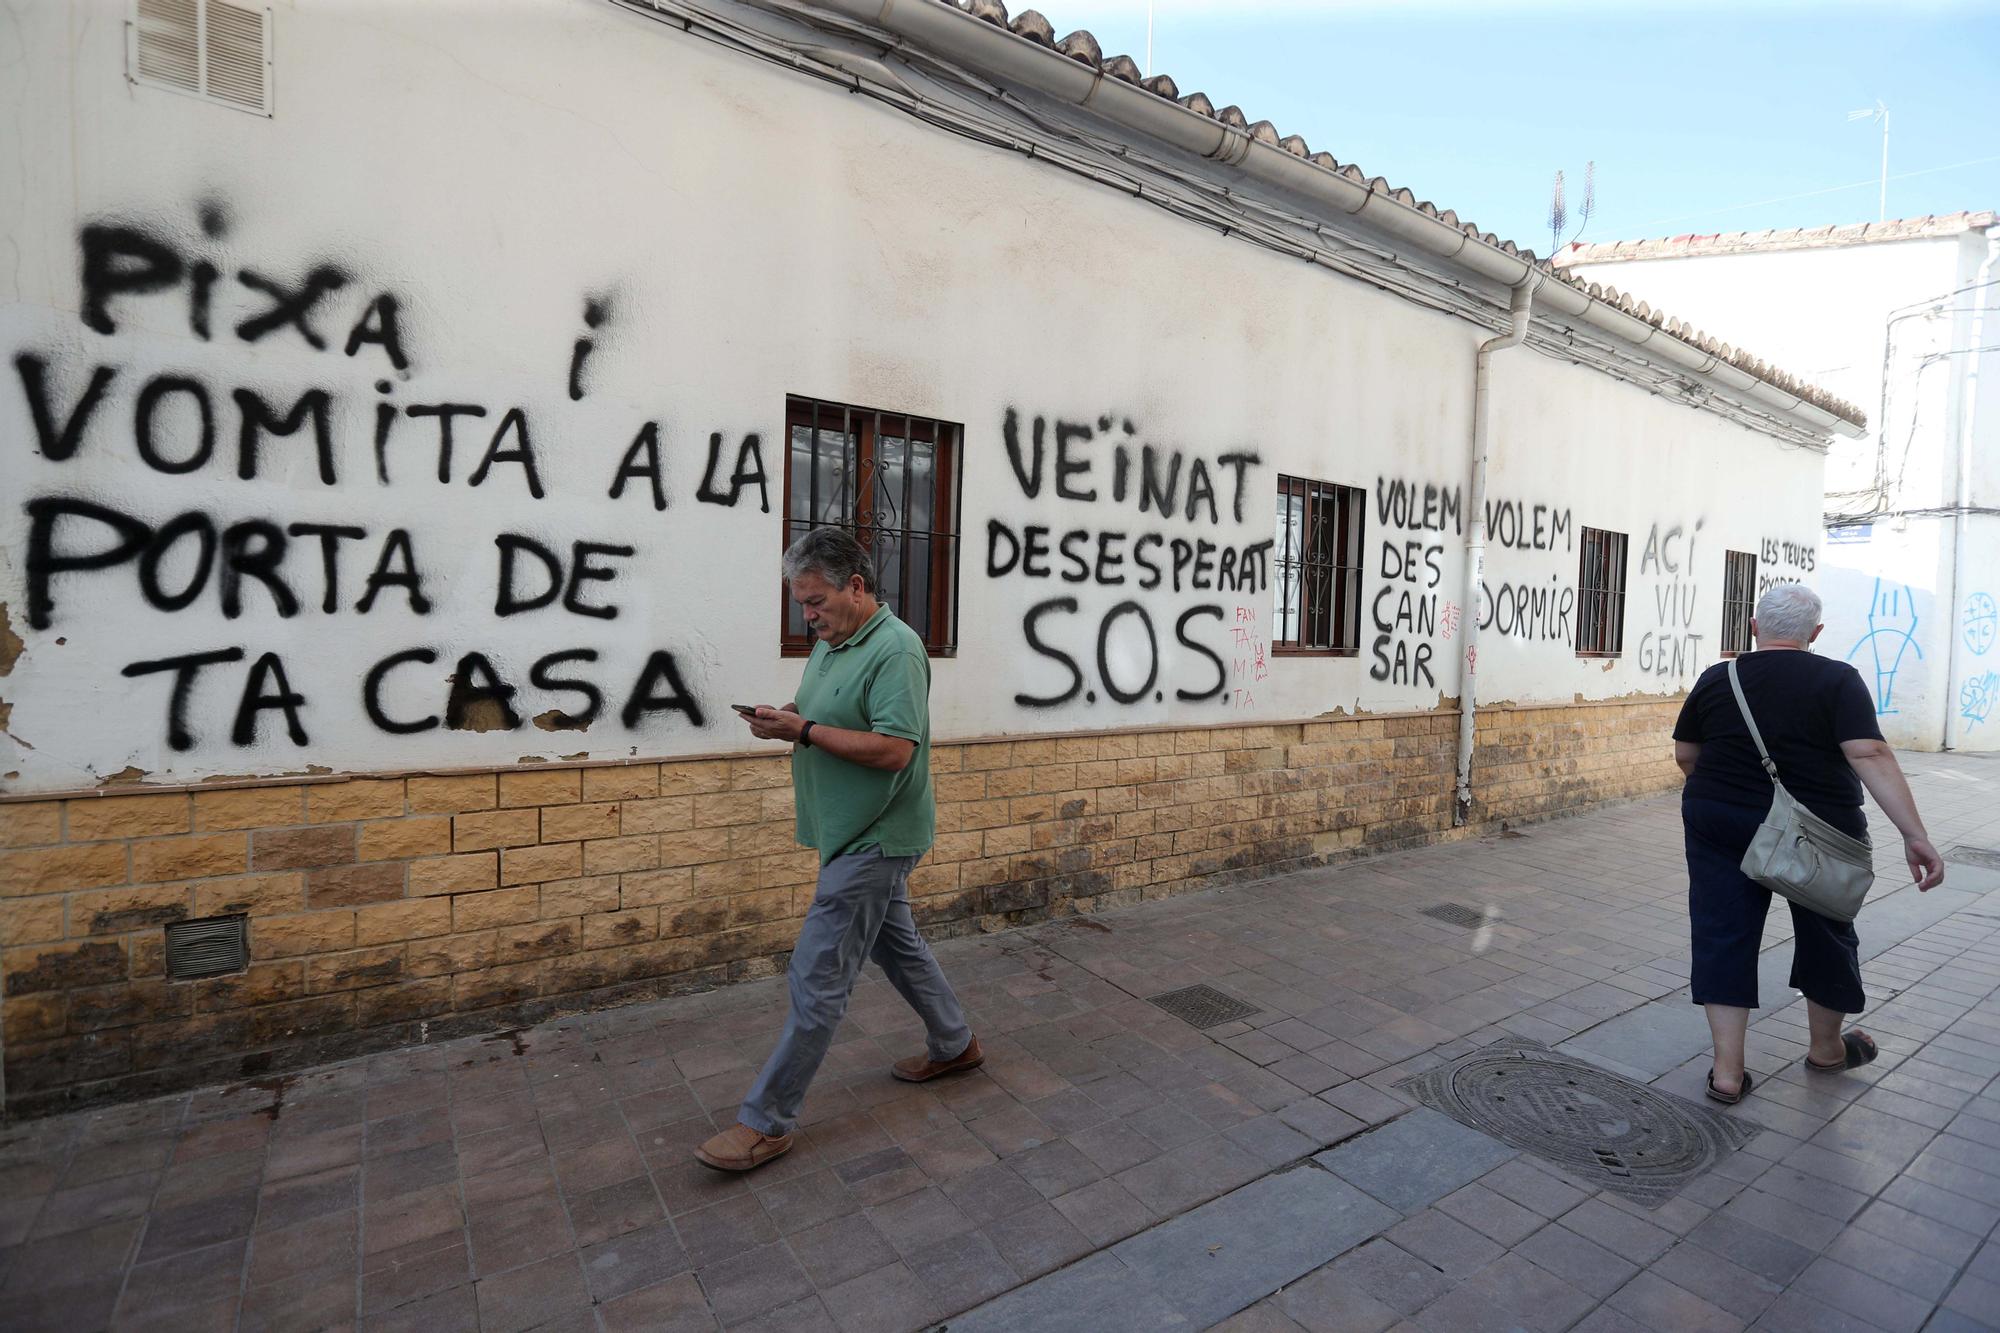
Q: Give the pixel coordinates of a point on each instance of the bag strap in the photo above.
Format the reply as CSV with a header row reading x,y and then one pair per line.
x,y
1743,704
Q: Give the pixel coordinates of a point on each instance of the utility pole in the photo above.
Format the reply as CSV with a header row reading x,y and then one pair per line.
x,y
1149,42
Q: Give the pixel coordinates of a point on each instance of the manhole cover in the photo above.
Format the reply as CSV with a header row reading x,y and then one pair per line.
x,y
1458,914
1619,1135
1203,1006
1987,857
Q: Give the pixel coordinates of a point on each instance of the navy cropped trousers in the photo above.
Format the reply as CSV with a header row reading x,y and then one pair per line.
x,y
1726,911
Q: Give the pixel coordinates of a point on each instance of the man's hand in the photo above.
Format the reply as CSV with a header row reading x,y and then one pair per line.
x,y
1926,866
775,724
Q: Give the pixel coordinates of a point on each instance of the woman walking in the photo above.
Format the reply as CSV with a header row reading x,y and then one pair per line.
x,y
1819,725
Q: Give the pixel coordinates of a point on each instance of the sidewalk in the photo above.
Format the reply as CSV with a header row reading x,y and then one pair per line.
x,y
1111,1166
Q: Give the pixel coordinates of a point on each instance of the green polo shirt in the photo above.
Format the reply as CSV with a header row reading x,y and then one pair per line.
x,y
880,681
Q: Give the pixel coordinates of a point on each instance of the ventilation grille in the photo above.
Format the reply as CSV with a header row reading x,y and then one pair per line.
x,y
1203,1006
207,948
1457,914
209,49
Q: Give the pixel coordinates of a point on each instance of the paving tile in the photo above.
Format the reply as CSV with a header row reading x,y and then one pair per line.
x,y
184,1282
1491,1214
395,1280
1511,1293
845,1247
1324,1302
1038,1240
1445,1243
1582,1263
676,1305
1941,1205
315,1301
1104,1211
1723,1284
1056,1168
723,1229
198,1225
615,1210
797,1205
1533,1188
1393,1276
532,1296
924,1218
753,1282
888,1300
962,1271
1850,1289
1926,1235
1115,1147
1415,1160
991,1192
329,1241
1656,1303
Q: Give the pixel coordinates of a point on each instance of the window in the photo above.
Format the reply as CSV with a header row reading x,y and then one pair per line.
x,y
1739,597
1600,595
1319,568
892,480
211,49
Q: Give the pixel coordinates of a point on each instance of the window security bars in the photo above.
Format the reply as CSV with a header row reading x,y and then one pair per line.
x,y
1318,568
1739,599
1600,598
891,479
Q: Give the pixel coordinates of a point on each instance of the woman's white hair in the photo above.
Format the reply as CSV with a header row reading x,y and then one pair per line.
x,y
1788,612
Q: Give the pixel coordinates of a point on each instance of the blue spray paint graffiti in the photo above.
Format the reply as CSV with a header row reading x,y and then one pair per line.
x,y
1976,700
1981,621
1892,629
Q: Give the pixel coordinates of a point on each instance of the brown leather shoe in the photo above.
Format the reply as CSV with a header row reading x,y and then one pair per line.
x,y
739,1148
922,1069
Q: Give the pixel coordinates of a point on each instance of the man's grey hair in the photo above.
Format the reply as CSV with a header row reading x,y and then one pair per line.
x,y
833,554
1789,612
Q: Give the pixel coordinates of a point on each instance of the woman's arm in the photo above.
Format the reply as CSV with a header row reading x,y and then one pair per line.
x,y
1685,755
1875,764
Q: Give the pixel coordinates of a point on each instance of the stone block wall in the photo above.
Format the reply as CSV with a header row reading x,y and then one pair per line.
x,y
390,910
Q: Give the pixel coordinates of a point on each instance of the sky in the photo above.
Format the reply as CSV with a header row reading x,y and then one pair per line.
x,y
1700,116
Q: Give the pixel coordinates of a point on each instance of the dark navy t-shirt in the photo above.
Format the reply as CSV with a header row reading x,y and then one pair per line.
x,y
1805,707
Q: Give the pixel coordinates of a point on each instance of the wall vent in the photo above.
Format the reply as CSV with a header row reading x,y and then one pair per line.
x,y
208,947
211,49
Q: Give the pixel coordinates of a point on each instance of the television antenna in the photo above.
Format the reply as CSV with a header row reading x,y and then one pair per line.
x,y
1559,207
1878,114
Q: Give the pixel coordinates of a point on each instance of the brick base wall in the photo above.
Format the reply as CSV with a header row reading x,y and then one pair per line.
x,y
388,910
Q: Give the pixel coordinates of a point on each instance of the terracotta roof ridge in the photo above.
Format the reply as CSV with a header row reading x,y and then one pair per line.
x,y
1793,238
1083,47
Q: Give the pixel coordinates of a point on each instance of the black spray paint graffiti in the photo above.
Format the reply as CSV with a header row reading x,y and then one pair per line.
x,y
1105,464
1409,611
255,565
1671,647
1781,561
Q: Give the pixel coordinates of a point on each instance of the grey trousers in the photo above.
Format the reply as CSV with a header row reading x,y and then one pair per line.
x,y
861,910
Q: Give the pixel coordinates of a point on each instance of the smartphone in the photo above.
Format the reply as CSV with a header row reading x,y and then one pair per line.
x,y
748,710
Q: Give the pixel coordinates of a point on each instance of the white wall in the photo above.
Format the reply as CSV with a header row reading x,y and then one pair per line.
x,y
1891,326
749,233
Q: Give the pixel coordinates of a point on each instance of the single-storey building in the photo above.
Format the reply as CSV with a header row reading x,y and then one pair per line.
x,y
404,415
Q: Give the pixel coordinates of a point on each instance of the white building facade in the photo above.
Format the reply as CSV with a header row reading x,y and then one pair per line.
x,y
1900,317
406,408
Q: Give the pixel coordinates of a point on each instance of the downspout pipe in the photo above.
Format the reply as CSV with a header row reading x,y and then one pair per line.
x,y
1518,307
1962,502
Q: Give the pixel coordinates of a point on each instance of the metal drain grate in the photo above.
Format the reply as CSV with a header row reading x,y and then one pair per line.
x,y
1458,914
1985,857
208,947
1203,1006
1626,1137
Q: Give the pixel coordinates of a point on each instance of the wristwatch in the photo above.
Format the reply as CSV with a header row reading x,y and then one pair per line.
x,y
806,735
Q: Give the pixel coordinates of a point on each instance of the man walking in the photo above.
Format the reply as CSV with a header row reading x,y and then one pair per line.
x,y
862,783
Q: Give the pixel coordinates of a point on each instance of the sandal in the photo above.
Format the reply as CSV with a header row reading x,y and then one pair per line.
x,y
1716,1094
1861,1049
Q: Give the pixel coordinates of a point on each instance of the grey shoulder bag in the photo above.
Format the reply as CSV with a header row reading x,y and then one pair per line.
x,y
1798,854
